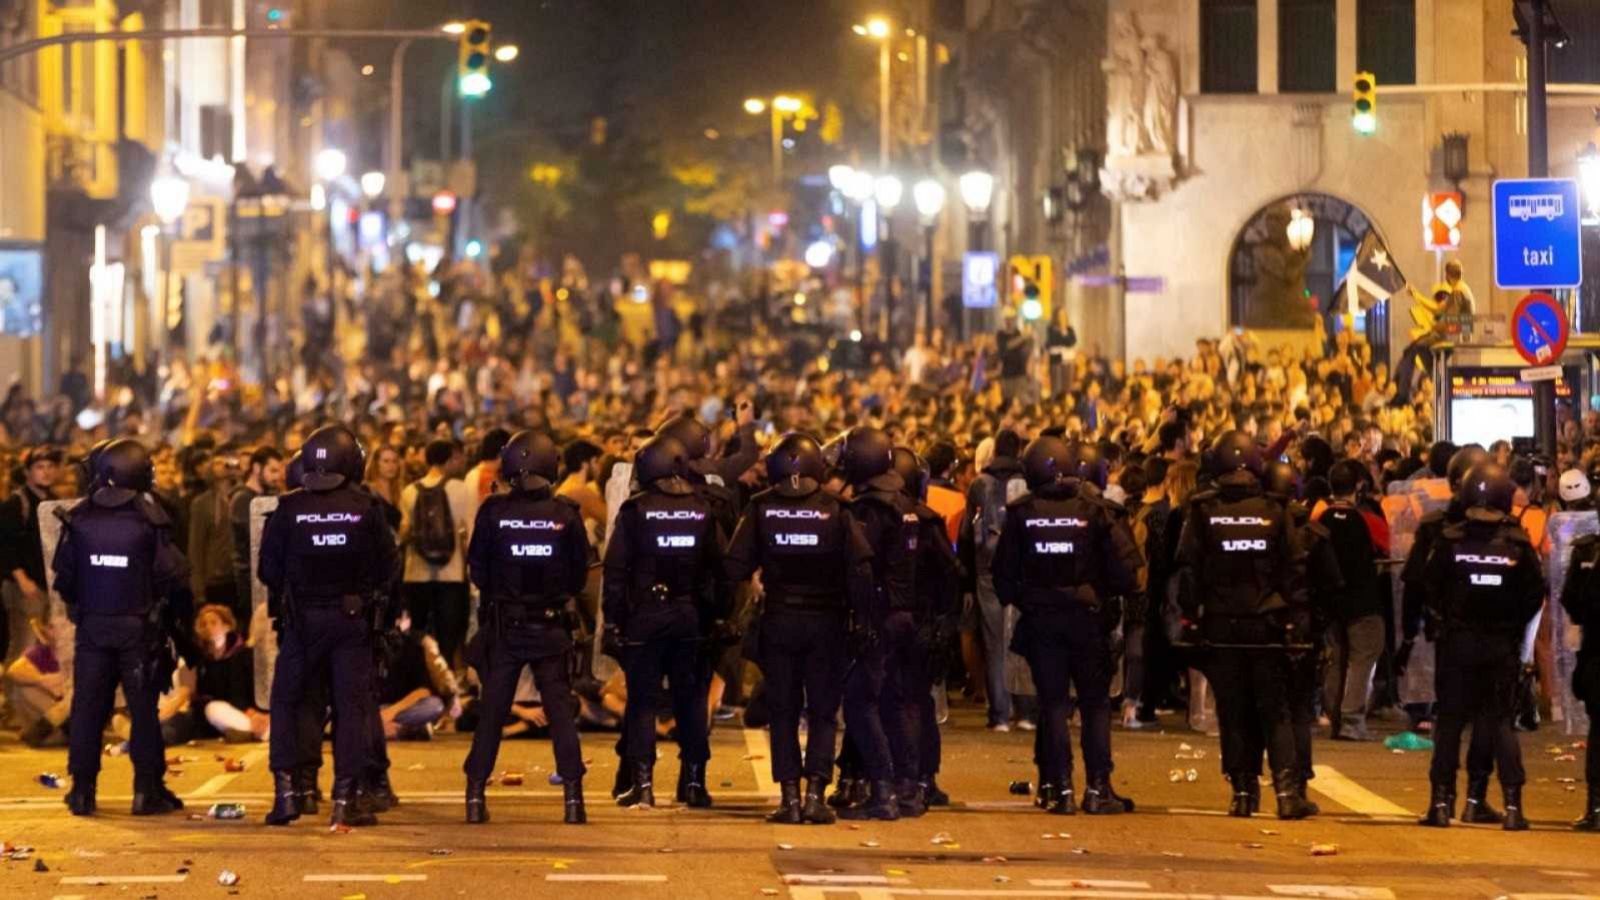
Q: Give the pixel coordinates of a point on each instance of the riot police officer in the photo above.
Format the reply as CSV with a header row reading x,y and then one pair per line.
x,y
529,557
1580,596
1484,585
938,603
1242,596
797,535
1061,559
115,565
885,638
328,555
662,567
1455,464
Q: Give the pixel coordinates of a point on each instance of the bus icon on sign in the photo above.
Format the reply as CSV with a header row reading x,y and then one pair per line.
x,y
1536,206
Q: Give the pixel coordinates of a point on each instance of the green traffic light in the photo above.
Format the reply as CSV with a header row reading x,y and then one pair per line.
x,y
1364,122
475,84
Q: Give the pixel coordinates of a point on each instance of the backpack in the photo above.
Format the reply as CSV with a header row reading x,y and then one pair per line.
x,y
433,527
990,518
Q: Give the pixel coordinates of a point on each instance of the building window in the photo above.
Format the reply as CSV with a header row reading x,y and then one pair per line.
x,y
1386,40
1306,46
1579,61
1228,46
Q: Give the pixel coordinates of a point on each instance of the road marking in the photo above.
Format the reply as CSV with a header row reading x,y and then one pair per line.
x,y
68,897
386,879
841,880
759,747
996,804
124,879
217,782
1552,897
619,879
554,862
1185,811
1111,884
1332,891
1332,783
1566,873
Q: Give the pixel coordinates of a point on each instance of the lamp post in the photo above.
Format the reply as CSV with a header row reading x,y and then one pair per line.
x,y
977,192
856,186
169,197
330,166
887,190
878,29
929,197
779,108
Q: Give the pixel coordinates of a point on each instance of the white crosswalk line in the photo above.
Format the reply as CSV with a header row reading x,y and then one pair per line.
x,y
123,879
759,747
216,783
1332,891
1106,883
617,879
378,877
1333,784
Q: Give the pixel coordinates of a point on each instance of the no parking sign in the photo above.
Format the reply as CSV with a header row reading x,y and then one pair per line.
x,y
1539,329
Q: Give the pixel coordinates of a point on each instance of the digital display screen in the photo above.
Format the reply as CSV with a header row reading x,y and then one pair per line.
x,y
1484,420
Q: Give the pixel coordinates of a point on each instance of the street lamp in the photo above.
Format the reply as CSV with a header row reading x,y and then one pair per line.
x,y
781,106
1302,229
329,166
169,197
372,184
887,190
929,197
839,177
878,29
507,52
755,106
977,192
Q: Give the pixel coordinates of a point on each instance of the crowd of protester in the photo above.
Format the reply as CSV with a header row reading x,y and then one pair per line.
x,y
435,375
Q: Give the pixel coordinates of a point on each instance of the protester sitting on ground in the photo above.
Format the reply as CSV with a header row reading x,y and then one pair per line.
x,y
36,691
409,705
224,691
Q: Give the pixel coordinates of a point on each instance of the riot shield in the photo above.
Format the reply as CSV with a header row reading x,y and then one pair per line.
x,y
49,535
263,637
1565,528
1404,508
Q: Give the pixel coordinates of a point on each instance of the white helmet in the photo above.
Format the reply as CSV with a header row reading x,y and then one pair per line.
x,y
1574,486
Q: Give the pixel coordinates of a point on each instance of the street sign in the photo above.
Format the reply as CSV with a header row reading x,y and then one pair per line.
x,y
979,270
1539,329
1542,373
1441,220
1133,284
1537,233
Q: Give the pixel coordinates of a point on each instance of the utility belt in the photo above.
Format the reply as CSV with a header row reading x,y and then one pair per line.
x,y
801,601
661,595
1057,599
522,613
352,604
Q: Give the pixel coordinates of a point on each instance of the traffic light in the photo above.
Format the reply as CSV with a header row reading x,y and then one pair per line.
x,y
474,59
1364,103
1032,283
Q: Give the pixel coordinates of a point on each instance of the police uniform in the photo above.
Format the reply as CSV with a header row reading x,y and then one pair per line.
x,y
1580,597
876,693
662,562
328,554
115,565
1484,584
1060,560
938,592
1243,598
815,571
529,557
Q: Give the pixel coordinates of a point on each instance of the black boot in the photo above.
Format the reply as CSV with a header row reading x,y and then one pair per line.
x,y
643,790
477,803
347,808
932,794
306,790
80,800
1046,796
1287,786
151,797
880,805
1477,811
383,795
815,811
1515,820
1441,807
1304,798
1100,799
908,796
1589,822
843,792
788,811
1244,802
1064,802
285,798
624,782
572,793
692,786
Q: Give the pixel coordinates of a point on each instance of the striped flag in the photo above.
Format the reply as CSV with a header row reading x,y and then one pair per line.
x,y
1373,276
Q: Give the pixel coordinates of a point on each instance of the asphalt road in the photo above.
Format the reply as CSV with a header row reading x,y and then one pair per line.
x,y
991,844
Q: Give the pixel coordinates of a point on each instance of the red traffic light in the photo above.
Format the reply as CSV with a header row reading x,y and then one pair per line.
x,y
444,203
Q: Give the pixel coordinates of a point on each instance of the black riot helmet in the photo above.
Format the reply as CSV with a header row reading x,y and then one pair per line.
x,y
1048,461
90,467
1488,487
294,472
123,470
661,457
866,453
796,455
1235,451
912,470
1462,462
530,461
1090,463
330,457
1280,479
687,431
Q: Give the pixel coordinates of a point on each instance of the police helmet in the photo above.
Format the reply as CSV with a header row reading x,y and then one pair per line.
x,y
687,431
1488,487
1233,452
1464,461
1089,462
1345,477
123,470
796,455
530,461
1048,461
90,464
1574,486
1281,479
866,453
294,473
330,457
661,457
912,470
